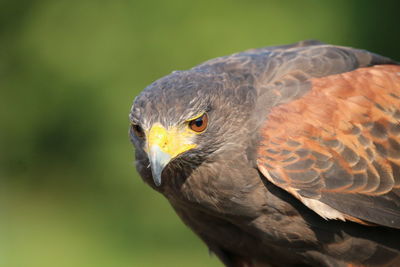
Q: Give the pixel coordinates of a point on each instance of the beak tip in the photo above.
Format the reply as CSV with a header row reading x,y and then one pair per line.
x,y
158,160
157,182
156,178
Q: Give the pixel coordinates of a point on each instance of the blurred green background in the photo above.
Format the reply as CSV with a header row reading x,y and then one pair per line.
x,y
69,70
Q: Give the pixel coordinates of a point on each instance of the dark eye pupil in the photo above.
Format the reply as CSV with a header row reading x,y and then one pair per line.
x,y
138,130
198,122
199,125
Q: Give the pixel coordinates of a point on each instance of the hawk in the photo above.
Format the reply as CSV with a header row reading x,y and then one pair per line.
x,y
279,156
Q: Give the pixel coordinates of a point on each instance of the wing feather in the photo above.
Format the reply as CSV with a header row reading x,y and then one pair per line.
x,y
339,144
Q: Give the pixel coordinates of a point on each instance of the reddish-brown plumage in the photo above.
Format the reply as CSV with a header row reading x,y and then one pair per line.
x,y
341,137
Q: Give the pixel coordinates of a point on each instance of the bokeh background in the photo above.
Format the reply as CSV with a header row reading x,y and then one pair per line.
x,y
69,70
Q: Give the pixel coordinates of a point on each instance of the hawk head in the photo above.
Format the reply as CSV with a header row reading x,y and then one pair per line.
x,y
186,117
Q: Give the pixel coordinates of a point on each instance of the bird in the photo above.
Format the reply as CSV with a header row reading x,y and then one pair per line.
x,y
279,156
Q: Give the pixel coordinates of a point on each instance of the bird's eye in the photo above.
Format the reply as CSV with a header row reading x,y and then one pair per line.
x,y
200,124
137,130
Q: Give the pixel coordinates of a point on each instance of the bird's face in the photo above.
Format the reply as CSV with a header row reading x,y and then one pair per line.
x,y
182,118
164,143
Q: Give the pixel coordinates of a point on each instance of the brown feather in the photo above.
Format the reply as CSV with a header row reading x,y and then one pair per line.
x,y
344,128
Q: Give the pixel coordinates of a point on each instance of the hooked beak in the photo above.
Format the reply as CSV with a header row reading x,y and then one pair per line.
x,y
158,160
163,145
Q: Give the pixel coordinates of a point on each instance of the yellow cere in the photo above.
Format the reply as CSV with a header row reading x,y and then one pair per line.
x,y
173,141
